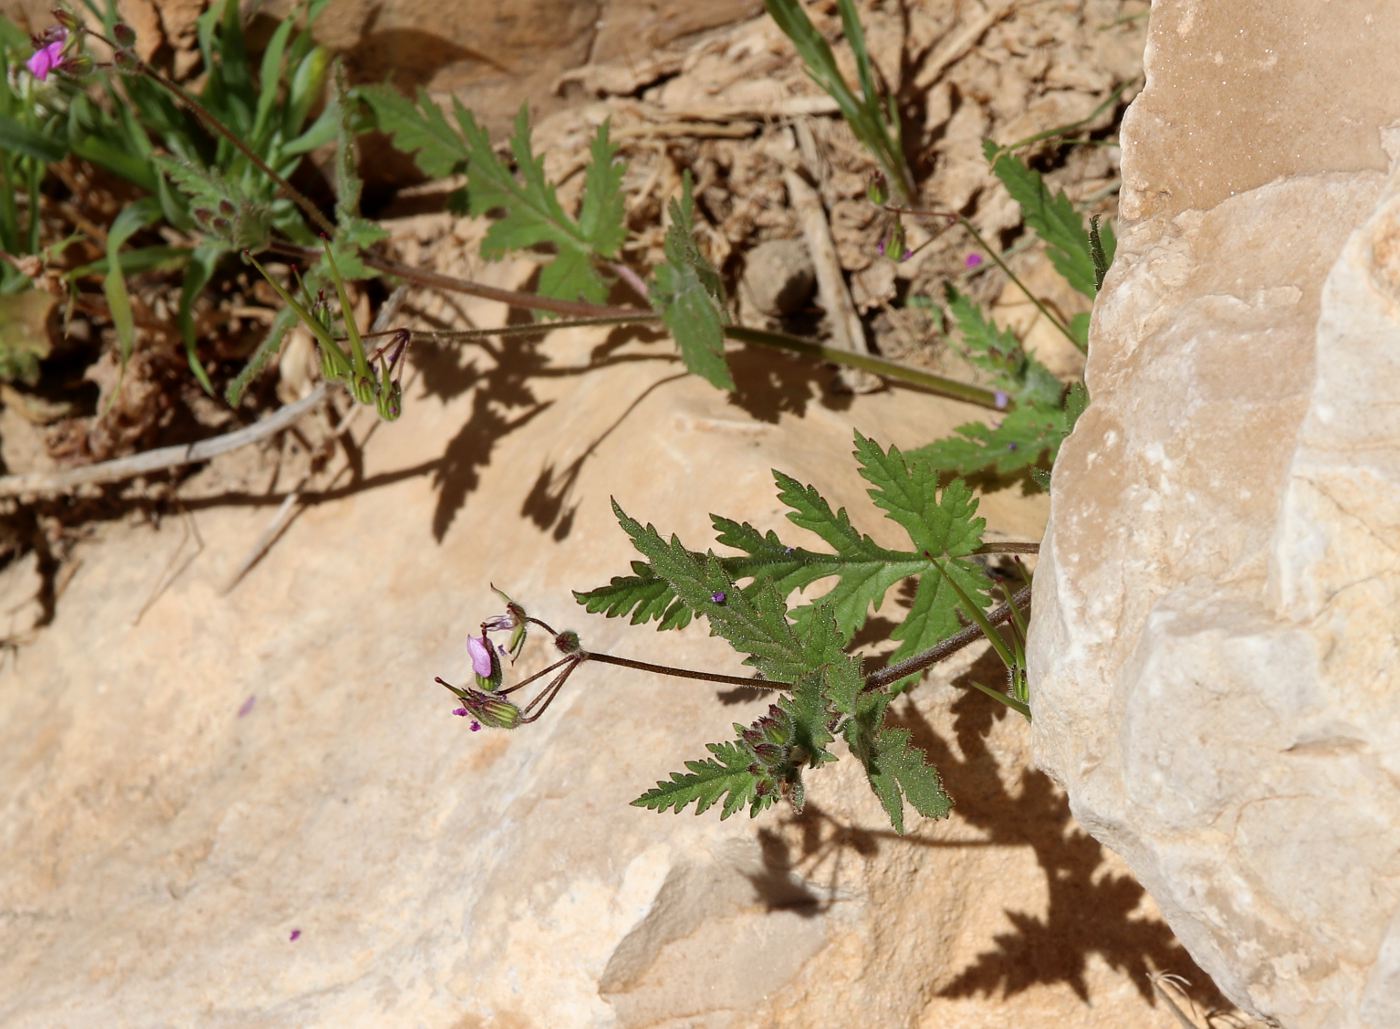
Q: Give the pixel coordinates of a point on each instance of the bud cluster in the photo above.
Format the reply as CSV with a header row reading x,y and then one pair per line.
x,y
777,757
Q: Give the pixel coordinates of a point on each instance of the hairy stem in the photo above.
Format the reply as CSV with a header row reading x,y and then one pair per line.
x,y
919,662
685,673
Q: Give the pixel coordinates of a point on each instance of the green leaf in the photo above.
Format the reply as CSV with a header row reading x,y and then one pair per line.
x,y
269,346
641,595
726,775
756,625
198,271
269,75
1076,401
1026,437
531,213
944,527
1079,330
418,129
687,293
933,616
864,569
898,772
998,352
601,217
18,138
132,219
937,525
1052,218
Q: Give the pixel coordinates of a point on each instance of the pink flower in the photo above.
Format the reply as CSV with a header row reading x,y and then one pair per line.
x,y
48,57
973,260
480,651
296,935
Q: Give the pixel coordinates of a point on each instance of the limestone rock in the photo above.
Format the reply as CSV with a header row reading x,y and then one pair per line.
x,y
1214,655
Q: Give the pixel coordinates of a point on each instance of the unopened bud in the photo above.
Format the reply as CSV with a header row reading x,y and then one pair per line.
x,y
390,403
362,388
496,712
878,191
568,642
124,34
66,18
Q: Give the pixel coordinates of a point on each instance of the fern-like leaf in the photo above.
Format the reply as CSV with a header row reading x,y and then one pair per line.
x,y
1050,216
531,213
686,291
726,774
943,526
898,772
1026,438
417,128
1000,354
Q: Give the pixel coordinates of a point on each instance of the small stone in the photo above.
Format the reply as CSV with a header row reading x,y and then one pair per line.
x,y
779,277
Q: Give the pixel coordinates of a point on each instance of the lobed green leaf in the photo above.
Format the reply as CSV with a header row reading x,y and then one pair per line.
x,y
1050,216
687,293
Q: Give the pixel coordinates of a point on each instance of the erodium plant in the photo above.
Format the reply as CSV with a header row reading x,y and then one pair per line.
x,y
232,191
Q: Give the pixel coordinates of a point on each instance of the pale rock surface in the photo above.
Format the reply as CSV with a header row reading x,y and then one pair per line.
x,y
1214,652
178,794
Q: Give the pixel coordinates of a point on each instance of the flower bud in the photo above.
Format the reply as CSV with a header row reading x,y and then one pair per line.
x,y
124,34
496,712
770,754
878,190
390,403
894,243
485,664
362,388
568,642
65,17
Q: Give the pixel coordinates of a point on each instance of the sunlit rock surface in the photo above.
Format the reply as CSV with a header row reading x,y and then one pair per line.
x,y
1214,653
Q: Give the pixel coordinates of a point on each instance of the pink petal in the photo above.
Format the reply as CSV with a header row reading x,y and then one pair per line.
x,y
480,651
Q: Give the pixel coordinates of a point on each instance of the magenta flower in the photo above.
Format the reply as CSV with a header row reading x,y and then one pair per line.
x,y
296,935
480,651
718,596
49,57
973,260
462,712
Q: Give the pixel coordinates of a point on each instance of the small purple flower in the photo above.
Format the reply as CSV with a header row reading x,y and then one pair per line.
x,y
480,651
49,57
247,705
1012,446
880,246
498,623
973,260
906,255
787,551
460,712
296,935
475,727
1001,399
718,596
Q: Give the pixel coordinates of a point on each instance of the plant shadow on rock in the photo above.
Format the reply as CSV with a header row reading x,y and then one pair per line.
x,y
1087,914
766,386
